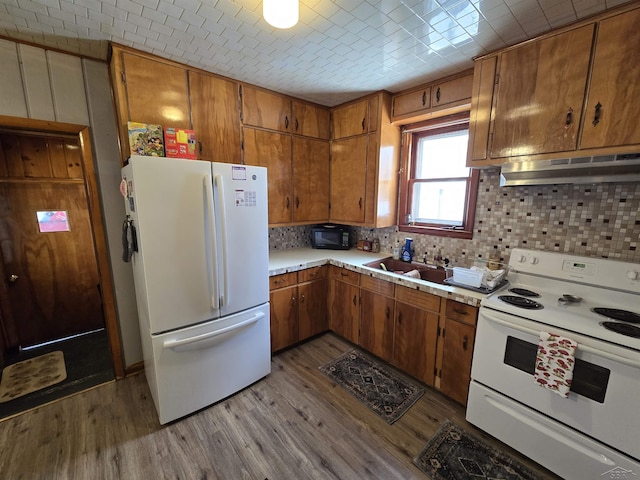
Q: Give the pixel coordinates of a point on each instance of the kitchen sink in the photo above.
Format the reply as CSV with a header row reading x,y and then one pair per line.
x,y
427,272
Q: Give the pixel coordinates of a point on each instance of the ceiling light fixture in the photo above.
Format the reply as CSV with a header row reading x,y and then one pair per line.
x,y
280,13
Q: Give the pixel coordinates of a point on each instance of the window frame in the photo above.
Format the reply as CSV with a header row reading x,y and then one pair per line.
x,y
410,135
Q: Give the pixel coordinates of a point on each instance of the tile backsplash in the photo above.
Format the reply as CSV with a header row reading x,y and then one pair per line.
x,y
601,220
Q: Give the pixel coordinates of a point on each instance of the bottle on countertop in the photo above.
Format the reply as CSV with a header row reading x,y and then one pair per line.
x,y
407,252
375,245
396,251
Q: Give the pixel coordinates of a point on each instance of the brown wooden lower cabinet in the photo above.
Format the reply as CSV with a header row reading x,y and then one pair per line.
x,y
416,334
298,306
377,324
424,335
344,303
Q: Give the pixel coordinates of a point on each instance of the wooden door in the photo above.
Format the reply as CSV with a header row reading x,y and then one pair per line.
x,y
48,256
350,120
614,84
272,150
484,75
261,108
348,179
311,121
376,324
215,112
344,310
284,317
456,360
540,93
452,92
416,334
310,180
312,308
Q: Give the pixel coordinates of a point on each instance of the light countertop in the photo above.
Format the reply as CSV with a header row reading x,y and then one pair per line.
x,y
292,260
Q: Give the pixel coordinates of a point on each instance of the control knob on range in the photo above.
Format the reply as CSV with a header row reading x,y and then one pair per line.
x,y
533,260
633,275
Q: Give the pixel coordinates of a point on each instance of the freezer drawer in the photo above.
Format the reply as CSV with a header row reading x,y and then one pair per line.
x,y
562,450
197,366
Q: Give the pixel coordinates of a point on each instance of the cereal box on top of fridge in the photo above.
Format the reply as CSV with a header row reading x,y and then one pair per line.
x,y
145,139
180,143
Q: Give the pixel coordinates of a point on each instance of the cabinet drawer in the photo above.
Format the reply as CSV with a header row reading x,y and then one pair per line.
x,y
312,274
461,312
412,102
345,275
423,300
284,280
377,285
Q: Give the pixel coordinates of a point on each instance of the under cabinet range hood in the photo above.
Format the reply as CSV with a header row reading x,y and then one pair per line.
x,y
578,170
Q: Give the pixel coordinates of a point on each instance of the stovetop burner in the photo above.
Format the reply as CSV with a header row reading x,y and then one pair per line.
x,y
617,314
521,302
623,328
524,292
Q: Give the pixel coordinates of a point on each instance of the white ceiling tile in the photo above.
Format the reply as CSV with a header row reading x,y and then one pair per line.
x,y
339,50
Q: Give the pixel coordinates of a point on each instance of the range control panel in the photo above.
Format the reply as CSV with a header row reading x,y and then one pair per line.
x,y
602,272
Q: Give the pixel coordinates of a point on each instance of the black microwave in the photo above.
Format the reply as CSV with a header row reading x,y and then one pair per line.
x,y
333,237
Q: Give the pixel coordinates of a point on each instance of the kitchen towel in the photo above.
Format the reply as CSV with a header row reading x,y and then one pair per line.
x,y
554,363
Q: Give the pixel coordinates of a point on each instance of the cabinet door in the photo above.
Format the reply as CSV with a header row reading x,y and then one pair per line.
x,y
540,93
348,178
311,121
451,92
350,120
142,98
344,310
456,360
376,324
312,308
484,76
412,103
310,180
416,334
265,109
284,318
272,150
614,84
216,118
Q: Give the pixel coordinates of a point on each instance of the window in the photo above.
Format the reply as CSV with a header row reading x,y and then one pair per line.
x,y
438,192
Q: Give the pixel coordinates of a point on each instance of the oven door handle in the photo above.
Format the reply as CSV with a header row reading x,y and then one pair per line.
x,y
585,348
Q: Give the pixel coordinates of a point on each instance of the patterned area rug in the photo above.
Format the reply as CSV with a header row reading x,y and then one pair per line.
x,y
455,454
384,392
30,375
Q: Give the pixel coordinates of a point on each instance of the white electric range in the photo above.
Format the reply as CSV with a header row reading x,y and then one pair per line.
x,y
595,432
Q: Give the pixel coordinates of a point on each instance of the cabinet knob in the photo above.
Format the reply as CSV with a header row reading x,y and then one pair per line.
x,y
424,98
296,124
287,202
569,119
302,298
460,311
360,203
597,113
354,300
297,202
388,313
363,124
286,122
199,147
465,342
438,95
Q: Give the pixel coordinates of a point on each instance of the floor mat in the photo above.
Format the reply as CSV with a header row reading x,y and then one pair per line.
x,y
455,454
31,375
389,395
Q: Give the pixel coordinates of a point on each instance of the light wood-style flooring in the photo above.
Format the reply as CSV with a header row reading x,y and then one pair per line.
x,y
295,424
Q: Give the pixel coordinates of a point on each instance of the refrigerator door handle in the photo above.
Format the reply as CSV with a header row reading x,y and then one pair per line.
x,y
195,343
210,220
224,296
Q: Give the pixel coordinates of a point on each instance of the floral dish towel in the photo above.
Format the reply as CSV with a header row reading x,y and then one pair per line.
x,y
554,363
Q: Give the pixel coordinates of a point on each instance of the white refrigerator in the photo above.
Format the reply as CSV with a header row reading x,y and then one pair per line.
x,y
201,278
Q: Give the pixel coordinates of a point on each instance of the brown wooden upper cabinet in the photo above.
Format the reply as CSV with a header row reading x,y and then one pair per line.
x,y
570,93
351,119
264,109
611,115
432,100
310,120
364,166
140,97
216,117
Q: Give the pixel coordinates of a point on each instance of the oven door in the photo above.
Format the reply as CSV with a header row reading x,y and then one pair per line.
x,y
605,387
